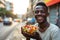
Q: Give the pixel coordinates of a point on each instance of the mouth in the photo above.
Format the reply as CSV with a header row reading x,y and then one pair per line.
x,y
40,19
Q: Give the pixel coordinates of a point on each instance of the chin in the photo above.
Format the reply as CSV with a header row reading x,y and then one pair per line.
x,y
40,22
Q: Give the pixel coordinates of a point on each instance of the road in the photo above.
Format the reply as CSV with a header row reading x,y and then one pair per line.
x,y
16,34
5,30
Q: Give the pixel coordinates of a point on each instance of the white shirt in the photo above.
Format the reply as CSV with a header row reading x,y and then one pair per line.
x,y
52,33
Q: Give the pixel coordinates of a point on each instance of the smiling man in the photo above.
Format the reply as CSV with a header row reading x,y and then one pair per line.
x,y
46,31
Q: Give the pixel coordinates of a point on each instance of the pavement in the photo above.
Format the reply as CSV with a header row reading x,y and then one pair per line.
x,y
16,34
5,30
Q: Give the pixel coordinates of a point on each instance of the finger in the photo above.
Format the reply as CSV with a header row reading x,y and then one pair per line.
x,y
21,29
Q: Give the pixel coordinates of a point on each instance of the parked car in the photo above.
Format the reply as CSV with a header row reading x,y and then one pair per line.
x,y
7,21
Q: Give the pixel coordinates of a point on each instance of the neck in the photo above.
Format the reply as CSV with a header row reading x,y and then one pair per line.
x,y
43,25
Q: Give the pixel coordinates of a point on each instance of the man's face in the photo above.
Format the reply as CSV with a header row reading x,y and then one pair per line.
x,y
41,14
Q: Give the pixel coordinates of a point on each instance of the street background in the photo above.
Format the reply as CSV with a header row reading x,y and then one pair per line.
x,y
15,13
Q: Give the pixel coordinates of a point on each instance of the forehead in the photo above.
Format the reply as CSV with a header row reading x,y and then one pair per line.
x,y
40,8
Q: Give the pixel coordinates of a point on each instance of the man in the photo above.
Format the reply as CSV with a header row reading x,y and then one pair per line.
x,y
46,31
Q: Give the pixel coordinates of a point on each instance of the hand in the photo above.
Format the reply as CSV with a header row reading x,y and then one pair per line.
x,y
24,33
34,35
37,36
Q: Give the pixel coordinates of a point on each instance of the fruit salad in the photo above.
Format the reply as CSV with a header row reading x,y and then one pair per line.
x,y
29,29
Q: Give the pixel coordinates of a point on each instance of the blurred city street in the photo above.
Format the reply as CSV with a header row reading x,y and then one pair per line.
x,y
5,30
14,14
16,34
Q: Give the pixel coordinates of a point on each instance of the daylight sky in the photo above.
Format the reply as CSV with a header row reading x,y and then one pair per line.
x,y
20,6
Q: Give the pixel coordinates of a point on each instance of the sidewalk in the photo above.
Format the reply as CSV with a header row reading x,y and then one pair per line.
x,y
16,34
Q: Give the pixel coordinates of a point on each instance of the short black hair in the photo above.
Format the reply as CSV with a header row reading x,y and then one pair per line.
x,y
42,4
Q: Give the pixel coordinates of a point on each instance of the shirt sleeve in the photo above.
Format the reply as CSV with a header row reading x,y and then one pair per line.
x,y
55,35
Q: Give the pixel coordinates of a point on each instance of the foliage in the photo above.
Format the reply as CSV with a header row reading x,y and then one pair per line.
x,y
4,12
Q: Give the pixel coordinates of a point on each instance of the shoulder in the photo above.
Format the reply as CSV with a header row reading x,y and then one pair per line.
x,y
54,27
55,33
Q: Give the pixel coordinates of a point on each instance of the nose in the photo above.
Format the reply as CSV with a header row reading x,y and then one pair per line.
x,y
39,13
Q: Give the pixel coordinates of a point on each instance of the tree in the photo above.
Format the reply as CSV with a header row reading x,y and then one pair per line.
x,y
4,12
10,14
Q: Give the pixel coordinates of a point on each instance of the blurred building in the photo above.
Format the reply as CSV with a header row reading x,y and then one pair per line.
x,y
2,7
2,3
6,4
9,6
5,7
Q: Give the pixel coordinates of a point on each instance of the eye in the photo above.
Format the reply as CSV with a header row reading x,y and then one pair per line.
x,y
36,11
42,11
